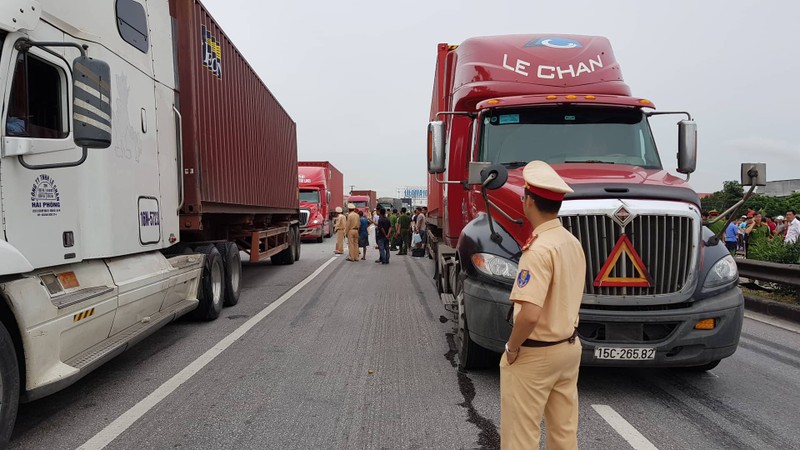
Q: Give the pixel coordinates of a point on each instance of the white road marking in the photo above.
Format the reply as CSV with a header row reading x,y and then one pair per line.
x,y
624,428
123,422
775,322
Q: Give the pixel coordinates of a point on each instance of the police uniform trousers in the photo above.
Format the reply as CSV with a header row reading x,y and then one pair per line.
x,y
339,241
352,244
543,381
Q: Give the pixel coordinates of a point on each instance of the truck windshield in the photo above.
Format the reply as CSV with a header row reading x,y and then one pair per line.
x,y
360,204
568,134
311,196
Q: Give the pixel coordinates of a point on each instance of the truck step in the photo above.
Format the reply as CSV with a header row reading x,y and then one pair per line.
x,y
116,344
448,300
79,296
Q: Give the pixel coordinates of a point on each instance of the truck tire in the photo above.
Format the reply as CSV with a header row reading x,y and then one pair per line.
x,y
287,256
470,354
298,243
211,291
232,263
9,386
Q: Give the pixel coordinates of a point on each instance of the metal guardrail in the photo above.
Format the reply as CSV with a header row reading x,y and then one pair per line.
x,y
769,271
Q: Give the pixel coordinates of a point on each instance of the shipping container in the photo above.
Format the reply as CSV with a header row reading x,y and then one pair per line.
x,y
239,144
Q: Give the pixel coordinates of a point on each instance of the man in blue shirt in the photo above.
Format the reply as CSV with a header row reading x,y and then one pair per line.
x,y
732,236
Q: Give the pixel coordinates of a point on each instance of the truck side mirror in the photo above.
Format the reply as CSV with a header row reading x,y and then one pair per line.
x,y
91,100
687,146
494,177
328,197
436,154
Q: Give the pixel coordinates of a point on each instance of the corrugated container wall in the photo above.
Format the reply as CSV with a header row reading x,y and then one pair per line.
x,y
239,144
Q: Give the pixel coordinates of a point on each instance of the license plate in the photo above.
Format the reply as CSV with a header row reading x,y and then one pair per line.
x,y
629,354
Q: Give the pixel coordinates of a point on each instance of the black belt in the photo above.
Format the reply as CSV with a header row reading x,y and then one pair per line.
x,y
533,343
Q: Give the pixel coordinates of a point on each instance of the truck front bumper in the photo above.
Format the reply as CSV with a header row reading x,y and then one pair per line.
x,y
312,232
671,331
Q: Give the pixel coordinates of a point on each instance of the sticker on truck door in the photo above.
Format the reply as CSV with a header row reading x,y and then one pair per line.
x,y
45,200
149,221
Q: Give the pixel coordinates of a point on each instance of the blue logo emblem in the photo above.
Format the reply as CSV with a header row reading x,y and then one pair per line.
x,y
523,278
554,42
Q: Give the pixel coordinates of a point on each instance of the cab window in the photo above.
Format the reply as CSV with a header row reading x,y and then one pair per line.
x,y
36,104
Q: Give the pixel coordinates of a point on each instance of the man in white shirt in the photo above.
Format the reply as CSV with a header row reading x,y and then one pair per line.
x,y
792,227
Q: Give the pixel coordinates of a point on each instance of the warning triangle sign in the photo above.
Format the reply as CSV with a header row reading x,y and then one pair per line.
x,y
604,278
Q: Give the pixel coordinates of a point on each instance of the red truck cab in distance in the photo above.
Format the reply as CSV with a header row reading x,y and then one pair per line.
x,y
502,101
321,191
364,200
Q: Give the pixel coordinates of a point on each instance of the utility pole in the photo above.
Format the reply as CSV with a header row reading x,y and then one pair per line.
x,y
351,188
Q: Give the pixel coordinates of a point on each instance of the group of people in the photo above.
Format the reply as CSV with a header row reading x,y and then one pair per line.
x,y
392,228
753,228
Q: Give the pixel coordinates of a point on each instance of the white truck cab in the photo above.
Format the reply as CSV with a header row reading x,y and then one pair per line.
x,y
89,190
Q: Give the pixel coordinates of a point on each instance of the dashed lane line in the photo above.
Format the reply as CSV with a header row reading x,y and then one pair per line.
x,y
624,428
129,417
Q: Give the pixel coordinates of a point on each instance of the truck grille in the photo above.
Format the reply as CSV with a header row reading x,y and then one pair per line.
x,y
664,243
304,213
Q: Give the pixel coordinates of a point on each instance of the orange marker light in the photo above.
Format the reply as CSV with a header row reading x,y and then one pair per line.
x,y
493,101
571,97
706,324
551,97
68,280
589,97
478,260
645,101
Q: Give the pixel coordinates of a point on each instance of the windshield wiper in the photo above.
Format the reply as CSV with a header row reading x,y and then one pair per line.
x,y
589,161
515,163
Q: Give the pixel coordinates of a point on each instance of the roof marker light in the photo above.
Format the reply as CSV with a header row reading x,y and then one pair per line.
x,y
551,97
493,101
571,97
589,97
645,101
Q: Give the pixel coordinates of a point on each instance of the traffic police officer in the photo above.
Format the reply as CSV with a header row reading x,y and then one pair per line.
x,y
539,369
352,225
338,226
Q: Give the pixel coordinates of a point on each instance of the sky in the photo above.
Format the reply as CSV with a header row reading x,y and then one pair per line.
x,y
357,76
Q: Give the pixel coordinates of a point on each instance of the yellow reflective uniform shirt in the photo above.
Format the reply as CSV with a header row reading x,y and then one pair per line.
x,y
552,273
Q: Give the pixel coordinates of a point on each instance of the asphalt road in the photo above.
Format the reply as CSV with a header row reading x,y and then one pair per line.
x,y
358,358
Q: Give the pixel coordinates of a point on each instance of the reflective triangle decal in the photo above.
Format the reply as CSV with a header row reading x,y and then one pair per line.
x,y
604,278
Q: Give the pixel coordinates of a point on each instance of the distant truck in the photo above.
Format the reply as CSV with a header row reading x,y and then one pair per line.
x,y
364,200
390,203
658,291
140,154
321,188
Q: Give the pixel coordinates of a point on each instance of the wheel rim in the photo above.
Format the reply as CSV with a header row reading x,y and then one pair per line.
x,y
216,283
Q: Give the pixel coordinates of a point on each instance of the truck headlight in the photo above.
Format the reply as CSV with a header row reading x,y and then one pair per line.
x,y
315,221
723,272
495,266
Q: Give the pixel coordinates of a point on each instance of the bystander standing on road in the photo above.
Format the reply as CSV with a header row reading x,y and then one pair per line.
x,y
792,227
404,231
353,224
384,233
339,227
732,236
539,369
757,232
422,227
393,240
363,234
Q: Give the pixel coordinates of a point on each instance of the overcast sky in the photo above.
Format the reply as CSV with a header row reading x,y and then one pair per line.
x,y
357,76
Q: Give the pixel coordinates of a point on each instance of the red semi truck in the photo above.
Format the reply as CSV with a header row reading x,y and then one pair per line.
x,y
659,291
321,191
364,200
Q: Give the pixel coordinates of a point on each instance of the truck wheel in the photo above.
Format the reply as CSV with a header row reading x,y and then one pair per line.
x,y
287,256
297,243
9,386
320,239
211,291
232,263
470,354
